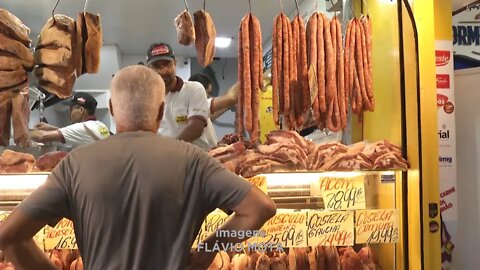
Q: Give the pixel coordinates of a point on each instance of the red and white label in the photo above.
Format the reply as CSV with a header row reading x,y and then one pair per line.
x,y
160,49
442,58
443,81
441,100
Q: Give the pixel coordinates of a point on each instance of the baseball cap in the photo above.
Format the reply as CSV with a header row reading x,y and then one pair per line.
x,y
159,51
85,100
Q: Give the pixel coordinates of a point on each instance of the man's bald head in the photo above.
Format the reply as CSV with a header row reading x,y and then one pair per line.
x,y
137,95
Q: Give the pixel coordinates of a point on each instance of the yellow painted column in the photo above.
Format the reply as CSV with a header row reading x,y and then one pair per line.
x,y
424,12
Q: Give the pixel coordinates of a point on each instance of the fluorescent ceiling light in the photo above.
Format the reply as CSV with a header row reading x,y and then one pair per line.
x,y
222,42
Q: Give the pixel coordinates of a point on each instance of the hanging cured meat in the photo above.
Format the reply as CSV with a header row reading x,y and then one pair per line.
x,y
185,29
205,34
16,58
250,74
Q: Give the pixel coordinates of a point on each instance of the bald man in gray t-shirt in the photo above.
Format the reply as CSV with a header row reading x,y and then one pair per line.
x,y
136,199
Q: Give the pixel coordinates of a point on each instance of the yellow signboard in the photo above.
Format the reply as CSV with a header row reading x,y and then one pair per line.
x,y
376,226
285,229
330,228
343,193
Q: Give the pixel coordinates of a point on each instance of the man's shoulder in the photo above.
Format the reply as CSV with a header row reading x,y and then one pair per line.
x,y
189,86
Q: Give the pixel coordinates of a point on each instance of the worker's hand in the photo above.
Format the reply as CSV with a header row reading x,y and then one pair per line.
x,y
233,91
44,126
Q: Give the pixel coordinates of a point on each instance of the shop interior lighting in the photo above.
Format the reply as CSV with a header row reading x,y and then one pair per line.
x,y
301,179
21,181
223,42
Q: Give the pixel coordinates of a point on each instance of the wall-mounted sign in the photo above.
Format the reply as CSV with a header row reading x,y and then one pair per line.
x,y
466,37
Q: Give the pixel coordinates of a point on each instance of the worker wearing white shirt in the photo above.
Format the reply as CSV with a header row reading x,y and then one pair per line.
x,y
85,128
217,105
186,106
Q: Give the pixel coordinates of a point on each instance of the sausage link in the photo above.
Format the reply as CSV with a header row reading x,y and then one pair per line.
x,y
295,92
257,71
351,64
312,27
359,63
304,69
275,75
358,93
367,52
247,105
347,62
286,28
321,63
341,76
241,80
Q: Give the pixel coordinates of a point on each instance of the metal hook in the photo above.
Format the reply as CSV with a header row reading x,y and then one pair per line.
x,y
53,13
352,7
85,6
204,5
298,8
250,6
281,6
366,6
186,5
316,5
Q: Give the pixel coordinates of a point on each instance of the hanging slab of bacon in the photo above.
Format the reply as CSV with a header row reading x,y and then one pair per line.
x,y
250,74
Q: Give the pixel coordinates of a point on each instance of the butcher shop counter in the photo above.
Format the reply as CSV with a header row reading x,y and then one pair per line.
x,y
344,209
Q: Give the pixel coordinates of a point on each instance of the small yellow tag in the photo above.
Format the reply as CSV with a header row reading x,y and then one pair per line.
x,y
181,118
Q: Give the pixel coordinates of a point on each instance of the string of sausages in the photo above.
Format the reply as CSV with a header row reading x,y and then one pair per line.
x,y
358,65
314,69
314,72
250,77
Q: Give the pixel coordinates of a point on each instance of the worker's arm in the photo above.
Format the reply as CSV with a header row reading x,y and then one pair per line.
x,y
46,205
192,130
197,113
45,126
221,104
46,136
254,210
222,189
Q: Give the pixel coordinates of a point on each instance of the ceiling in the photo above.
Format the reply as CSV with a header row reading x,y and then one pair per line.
x,y
134,25
457,4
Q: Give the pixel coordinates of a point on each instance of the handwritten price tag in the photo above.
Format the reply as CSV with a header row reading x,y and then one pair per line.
x,y
211,223
61,236
341,193
287,229
376,226
260,182
38,238
330,228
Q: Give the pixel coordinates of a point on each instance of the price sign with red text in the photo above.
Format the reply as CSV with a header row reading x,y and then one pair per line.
x,y
61,236
343,193
330,228
286,228
211,223
376,226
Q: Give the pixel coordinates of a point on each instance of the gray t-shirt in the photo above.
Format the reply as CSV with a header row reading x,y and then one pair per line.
x,y
137,200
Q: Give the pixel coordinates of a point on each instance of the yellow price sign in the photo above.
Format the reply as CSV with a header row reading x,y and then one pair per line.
x,y
376,226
